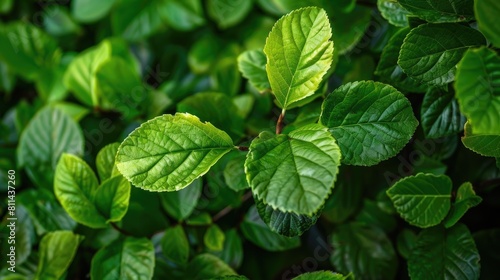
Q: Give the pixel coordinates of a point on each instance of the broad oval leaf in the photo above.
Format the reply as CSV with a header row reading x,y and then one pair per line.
x,y
294,172
183,15
405,242
465,199
181,204
234,173
422,200
57,250
299,53
440,10
207,266
393,12
371,121
430,51
214,238
227,13
440,253
232,253
477,89
487,19
483,144
175,245
252,65
112,198
169,152
88,11
125,258
105,161
363,250
137,19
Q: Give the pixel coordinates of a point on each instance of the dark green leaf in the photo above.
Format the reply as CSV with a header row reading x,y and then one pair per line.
x,y
440,114
206,266
227,13
405,242
137,19
393,12
488,245
320,275
486,12
183,15
234,173
465,199
232,252
214,238
440,10
180,204
175,245
252,65
371,214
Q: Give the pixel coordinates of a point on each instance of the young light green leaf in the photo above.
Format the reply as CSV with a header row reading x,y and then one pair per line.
x,y
299,53
486,12
183,15
484,144
393,12
88,11
285,223
214,238
232,252
441,253
477,89
125,258
207,266
321,275
169,152
294,172
175,245
181,204
234,173
405,242
227,13
364,250
430,51
49,134
57,250
465,199
105,161
440,10
256,231
112,198
252,65
75,187
371,121
440,114
422,200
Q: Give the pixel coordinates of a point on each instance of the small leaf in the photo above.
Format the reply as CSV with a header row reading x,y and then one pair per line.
x,y
125,258
175,245
169,152
232,252
477,89
321,275
252,65
180,204
484,144
440,114
371,121
363,250
299,53
206,266
371,214
422,200
137,19
214,238
88,11
393,12
183,15
105,161
445,43
349,25
227,13
294,172
234,173
440,10
405,242
486,12
112,198
444,254
255,230
57,250
465,199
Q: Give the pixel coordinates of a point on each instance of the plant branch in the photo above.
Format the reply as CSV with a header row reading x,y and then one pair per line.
x,y
228,209
242,148
279,124
120,230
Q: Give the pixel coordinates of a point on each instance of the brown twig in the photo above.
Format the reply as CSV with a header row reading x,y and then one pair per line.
x,y
279,123
228,209
120,230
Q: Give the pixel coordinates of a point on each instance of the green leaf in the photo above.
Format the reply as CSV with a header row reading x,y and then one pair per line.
x,y
27,50
180,204
105,161
88,11
285,223
206,106
234,173
465,199
388,69
486,12
57,250
363,250
440,10
58,22
112,198
155,160
440,114
393,12
348,27
320,275
135,20
422,200
214,238
372,214
445,43
252,65
477,89
488,245
175,245
227,13
75,111
255,230
295,71
49,134
232,252
294,172
125,258
206,266
201,219
183,15
483,144
22,237
371,121
405,242
75,187
444,254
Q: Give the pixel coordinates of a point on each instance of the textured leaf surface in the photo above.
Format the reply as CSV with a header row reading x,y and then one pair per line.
x,y
465,199
487,12
299,53
363,250
175,245
441,253
320,275
180,204
477,89
422,200
105,161
440,114
214,238
125,258
294,172
112,198
430,52
57,250
440,10
371,121
206,266
393,12
169,152
252,64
